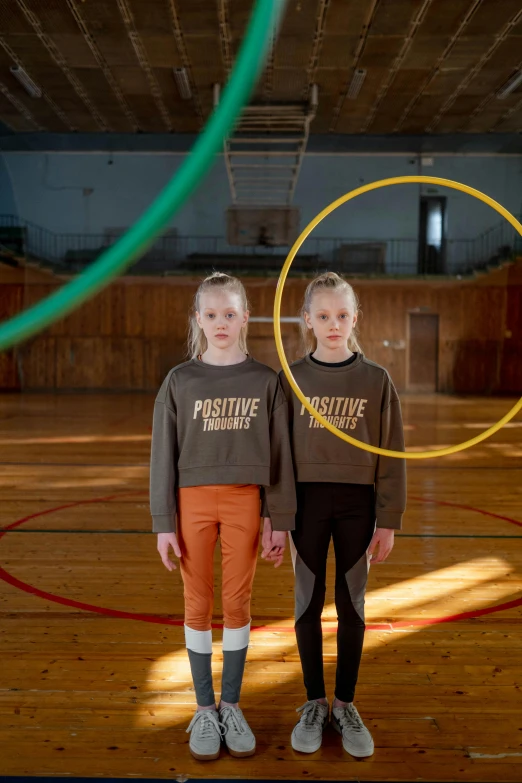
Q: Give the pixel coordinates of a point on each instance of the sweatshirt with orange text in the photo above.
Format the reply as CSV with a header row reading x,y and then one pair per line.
x,y
360,399
221,425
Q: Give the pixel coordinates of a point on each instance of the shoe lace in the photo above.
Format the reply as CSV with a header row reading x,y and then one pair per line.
x,y
232,718
208,722
350,719
311,714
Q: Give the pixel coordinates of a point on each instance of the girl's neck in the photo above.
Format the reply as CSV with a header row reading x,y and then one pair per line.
x,y
223,357
332,355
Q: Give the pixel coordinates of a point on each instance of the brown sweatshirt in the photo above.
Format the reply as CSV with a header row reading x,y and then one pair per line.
x,y
361,400
221,425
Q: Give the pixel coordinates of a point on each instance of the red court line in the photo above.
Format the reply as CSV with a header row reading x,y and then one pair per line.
x,y
467,508
162,620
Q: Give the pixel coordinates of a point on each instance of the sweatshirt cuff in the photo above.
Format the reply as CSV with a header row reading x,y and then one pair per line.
x,y
264,507
164,523
283,521
389,519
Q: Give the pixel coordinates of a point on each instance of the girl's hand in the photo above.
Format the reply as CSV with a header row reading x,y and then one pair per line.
x,y
273,542
165,540
382,538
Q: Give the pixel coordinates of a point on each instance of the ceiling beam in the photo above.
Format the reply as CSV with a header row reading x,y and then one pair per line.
x,y
54,106
415,23
317,45
466,19
506,116
484,102
225,38
141,55
268,82
74,8
185,59
19,106
472,73
61,62
372,10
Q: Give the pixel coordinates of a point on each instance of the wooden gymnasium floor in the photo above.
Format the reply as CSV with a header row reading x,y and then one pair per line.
x,y
94,679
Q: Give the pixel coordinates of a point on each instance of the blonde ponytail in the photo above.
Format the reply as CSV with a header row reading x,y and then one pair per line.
x,y
327,282
218,281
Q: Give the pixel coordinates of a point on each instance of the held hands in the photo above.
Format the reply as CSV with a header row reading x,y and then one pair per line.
x,y
166,540
382,538
273,542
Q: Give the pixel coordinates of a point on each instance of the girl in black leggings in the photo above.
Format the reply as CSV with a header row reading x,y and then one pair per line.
x,y
343,493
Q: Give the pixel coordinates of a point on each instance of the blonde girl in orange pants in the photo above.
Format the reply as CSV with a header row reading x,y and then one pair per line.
x,y
220,459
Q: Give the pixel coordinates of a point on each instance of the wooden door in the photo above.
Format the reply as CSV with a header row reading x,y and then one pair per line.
x,y
423,352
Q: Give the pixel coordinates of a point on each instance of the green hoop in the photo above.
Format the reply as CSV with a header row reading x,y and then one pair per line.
x,y
264,21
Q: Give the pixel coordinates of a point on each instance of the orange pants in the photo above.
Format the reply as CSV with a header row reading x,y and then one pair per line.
x,y
231,511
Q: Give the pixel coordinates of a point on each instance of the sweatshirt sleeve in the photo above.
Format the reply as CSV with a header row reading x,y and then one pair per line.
x,y
264,505
280,495
163,462
289,396
390,481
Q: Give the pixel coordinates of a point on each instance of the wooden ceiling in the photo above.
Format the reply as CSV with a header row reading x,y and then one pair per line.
x,y
433,66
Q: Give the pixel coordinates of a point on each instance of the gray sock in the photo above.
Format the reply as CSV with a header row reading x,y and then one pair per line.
x,y
235,646
201,668
233,668
199,648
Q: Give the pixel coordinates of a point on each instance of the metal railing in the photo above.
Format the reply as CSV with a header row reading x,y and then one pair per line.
x,y
172,253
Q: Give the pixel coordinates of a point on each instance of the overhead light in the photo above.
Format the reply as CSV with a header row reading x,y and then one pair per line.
x,y
183,83
509,86
26,81
357,81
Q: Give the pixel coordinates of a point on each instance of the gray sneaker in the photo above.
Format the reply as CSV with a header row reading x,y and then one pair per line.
x,y
357,740
205,735
307,735
237,734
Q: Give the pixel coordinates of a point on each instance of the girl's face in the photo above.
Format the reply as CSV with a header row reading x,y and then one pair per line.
x,y
331,318
221,316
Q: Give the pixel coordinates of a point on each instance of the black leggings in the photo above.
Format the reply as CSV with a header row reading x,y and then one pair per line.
x,y
346,513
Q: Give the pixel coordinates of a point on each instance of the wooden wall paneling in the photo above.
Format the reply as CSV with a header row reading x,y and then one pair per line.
x,y
86,320
37,358
10,275
173,326
91,349
511,364
382,328
171,353
124,363
105,312
135,310
292,344
116,293
154,299
423,350
34,293
262,347
256,298
450,309
292,301
176,312
474,369
511,368
9,376
153,366
11,297
81,363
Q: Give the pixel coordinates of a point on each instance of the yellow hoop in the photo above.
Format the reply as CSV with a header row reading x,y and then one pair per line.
x,y
277,317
